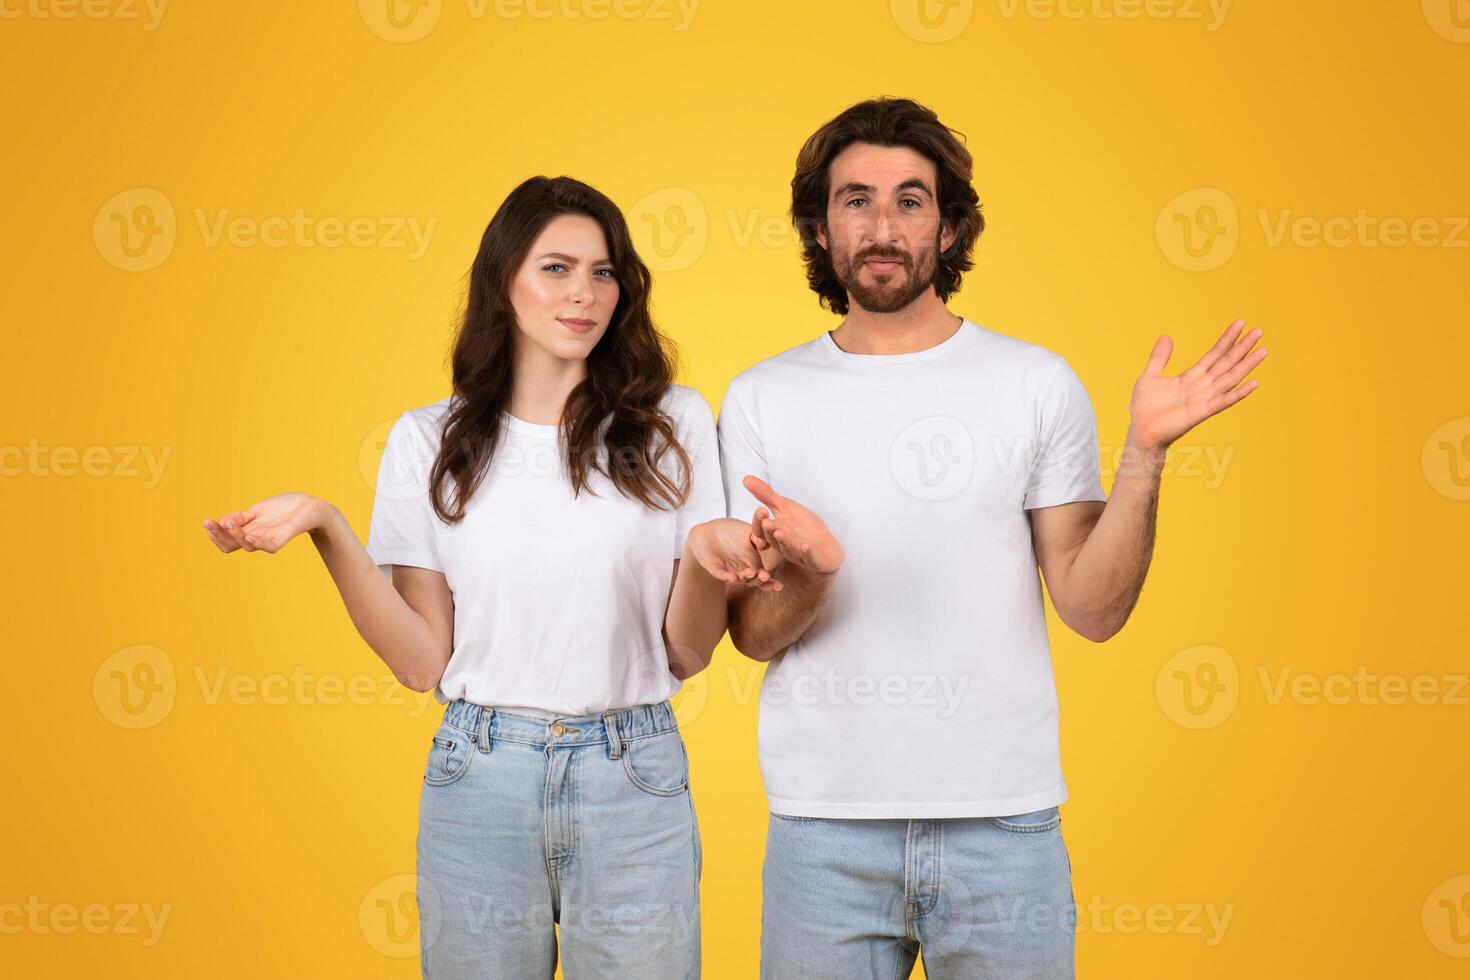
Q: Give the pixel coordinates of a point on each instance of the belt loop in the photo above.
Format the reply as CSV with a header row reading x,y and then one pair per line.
x,y
614,741
484,737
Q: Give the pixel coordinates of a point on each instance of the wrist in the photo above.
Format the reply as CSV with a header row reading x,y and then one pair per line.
x,y
1142,454
791,573
322,518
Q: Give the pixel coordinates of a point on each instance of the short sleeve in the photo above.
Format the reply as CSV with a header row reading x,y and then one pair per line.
x,y
401,531
706,500
1065,466
742,451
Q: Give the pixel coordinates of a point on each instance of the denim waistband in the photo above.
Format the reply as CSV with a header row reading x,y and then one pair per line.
x,y
611,727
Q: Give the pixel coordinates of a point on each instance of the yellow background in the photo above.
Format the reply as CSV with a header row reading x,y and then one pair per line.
x,y
272,822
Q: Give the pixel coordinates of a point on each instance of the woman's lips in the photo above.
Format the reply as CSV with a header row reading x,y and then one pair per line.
x,y
577,325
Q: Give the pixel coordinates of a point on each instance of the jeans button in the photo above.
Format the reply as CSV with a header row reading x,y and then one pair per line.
x,y
558,728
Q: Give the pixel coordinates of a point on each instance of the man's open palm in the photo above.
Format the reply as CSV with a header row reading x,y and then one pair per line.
x,y
1163,408
798,534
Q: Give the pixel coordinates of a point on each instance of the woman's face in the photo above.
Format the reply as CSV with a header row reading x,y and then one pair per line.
x,y
566,290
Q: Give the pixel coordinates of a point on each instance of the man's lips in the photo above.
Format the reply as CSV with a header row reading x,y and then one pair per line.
x,y
883,265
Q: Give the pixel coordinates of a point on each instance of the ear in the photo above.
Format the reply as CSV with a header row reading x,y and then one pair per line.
x,y
948,232
821,234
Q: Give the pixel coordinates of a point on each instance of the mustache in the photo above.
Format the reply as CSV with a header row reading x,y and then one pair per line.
x,y
884,252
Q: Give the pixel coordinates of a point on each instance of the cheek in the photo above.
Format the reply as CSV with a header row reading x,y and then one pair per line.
x,y
531,295
607,296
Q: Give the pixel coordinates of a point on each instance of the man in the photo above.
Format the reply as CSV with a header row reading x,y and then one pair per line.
x,y
908,718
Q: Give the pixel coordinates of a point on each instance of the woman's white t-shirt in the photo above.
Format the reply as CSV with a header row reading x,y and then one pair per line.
x,y
558,601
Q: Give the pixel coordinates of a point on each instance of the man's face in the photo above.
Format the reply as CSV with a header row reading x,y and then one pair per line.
x,y
883,229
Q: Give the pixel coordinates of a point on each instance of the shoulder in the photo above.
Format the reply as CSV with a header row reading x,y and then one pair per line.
x,y
1011,354
423,424
789,366
688,410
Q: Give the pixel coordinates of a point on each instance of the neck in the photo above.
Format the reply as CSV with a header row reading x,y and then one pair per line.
x,y
540,384
922,324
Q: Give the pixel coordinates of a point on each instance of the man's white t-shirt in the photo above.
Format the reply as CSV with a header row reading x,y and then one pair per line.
x,y
558,601
924,687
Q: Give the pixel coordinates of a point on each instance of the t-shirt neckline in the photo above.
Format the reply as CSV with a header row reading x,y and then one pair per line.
x,y
961,334
528,428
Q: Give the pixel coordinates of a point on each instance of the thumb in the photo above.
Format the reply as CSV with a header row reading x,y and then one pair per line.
x,y
1163,347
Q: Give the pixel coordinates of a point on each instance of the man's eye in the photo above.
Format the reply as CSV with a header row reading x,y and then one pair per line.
x,y
857,200
909,200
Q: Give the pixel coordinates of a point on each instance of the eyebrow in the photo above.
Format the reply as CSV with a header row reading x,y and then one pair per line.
x,y
562,257
853,186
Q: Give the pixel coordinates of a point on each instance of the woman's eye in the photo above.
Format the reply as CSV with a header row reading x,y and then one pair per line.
x,y
611,274
552,267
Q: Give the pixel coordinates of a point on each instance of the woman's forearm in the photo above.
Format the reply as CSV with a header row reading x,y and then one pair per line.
x,y
399,635
696,617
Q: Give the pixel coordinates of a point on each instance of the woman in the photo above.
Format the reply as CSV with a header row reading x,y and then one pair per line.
x,y
530,521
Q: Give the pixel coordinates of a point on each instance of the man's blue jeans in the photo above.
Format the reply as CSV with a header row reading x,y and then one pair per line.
x,y
978,897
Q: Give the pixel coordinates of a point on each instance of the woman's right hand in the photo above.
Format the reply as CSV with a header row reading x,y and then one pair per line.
x,y
268,525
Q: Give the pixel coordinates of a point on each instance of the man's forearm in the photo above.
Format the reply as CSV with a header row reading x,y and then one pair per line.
x,y
764,623
1106,577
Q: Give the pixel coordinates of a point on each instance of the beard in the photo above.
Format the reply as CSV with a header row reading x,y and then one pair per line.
x,y
891,291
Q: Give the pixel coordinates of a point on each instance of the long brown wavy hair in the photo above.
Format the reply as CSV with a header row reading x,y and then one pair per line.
x,y
886,122
612,423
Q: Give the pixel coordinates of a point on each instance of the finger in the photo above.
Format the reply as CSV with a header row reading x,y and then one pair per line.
x,y
238,533
1221,346
268,540
1234,395
762,491
1163,347
220,541
757,534
1232,378
1233,356
230,531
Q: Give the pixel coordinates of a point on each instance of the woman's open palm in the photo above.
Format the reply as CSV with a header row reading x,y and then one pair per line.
x,y
266,526
723,547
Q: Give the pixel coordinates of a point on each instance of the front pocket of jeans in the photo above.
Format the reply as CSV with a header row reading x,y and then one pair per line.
x,y
658,764
449,757
1035,822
